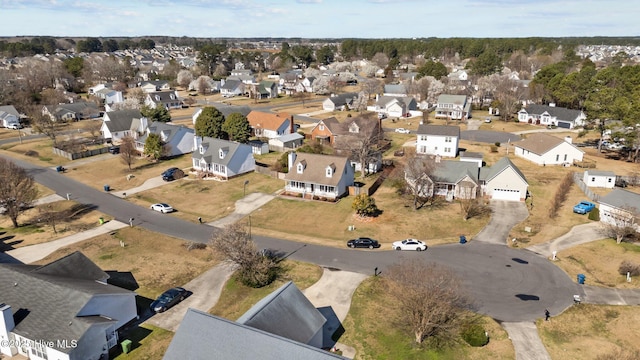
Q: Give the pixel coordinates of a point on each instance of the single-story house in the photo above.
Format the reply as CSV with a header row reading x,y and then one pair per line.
x,y
225,109
620,208
177,139
232,88
155,85
544,149
270,125
395,106
64,310
599,178
339,102
551,115
9,115
454,180
286,142
222,158
316,175
72,112
438,140
121,123
504,181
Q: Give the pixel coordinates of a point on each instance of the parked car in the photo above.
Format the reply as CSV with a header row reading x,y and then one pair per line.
x,y
168,299
487,119
583,207
114,149
363,242
621,183
382,116
409,244
402,131
172,174
161,207
14,126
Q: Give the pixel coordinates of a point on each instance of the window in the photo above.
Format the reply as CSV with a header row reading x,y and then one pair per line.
x,y
557,157
565,157
329,171
447,139
609,179
38,349
423,149
300,168
321,127
593,179
447,150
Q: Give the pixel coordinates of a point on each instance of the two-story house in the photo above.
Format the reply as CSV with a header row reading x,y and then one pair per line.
x,y
316,176
222,159
271,126
440,140
119,124
167,99
454,107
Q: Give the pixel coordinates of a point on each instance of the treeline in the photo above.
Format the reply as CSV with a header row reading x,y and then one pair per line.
x,y
48,45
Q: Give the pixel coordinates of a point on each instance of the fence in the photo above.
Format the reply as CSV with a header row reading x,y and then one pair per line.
x,y
81,154
266,171
577,178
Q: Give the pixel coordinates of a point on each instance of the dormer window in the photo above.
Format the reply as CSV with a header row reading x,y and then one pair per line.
x,y
172,96
203,148
157,97
164,135
353,128
331,169
301,165
223,152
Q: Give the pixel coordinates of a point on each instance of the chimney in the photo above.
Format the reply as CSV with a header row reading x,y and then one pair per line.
x,y
292,125
568,139
291,158
6,326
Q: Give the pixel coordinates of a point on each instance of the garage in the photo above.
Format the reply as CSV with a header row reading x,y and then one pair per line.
x,y
506,194
564,124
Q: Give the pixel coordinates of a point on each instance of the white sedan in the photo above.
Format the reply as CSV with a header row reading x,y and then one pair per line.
x,y
402,130
162,207
409,244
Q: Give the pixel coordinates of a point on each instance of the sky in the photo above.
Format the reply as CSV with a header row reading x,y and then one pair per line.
x,y
320,18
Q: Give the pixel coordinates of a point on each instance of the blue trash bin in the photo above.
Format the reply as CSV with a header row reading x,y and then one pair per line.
x,y
581,278
463,239
107,188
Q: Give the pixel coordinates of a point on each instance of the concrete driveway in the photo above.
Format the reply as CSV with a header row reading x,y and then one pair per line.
x,y
579,234
504,216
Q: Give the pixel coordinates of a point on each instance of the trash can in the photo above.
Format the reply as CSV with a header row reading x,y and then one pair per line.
x,y
107,188
59,168
101,220
463,239
126,346
581,279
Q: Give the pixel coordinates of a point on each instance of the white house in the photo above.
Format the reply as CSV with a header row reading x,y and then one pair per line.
x,y
9,115
503,181
438,140
339,102
599,178
270,125
222,159
64,310
168,99
232,88
395,106
454,107
551,115
121,123
178,139
451,180
620,208
544,149
474,157
319,176
110,96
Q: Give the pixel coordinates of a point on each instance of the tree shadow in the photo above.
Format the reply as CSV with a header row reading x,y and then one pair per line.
x,y
527,297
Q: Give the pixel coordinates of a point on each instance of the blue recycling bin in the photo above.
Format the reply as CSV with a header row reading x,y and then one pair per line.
x,y
463,239
107,188
59,168
581,279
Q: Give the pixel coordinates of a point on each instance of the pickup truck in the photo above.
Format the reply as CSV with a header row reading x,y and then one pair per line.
x,y
583,207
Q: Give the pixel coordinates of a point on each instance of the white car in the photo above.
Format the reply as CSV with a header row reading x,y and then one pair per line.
x,y
409,244
162,207
14,126
487,119
402,130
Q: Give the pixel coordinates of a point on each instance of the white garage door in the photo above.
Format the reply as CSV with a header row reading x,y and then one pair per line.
x,y
506,194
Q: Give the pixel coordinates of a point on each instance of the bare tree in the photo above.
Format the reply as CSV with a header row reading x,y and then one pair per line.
x,y
50,216
46,125
185,77
620,223
430,298
417,172
234,243
362,141
509,94
360,103
372,87
17,190
128,152
203,85
380,59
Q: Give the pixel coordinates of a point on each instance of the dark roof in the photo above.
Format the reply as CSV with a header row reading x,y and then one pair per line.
x,y
559,113
452,172
315,166
441,130
343,99
622,199
285,312
231,84
46,300
471,155
121,120
203,336
212,150
164,97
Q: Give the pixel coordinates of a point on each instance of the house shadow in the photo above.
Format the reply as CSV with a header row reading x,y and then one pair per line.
x,y
135,334
332,329
6,246
125,280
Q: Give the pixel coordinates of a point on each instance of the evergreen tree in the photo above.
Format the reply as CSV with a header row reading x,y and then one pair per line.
x,y
209,123
237,127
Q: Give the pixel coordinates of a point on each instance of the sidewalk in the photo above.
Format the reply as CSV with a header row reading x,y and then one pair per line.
x,y
29,254
244,207
526,341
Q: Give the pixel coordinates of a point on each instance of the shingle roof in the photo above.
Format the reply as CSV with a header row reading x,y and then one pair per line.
x,y
491,172
559,113
452,99
203,336
331,123
231,84
285,312
600,173
622,199
122,120
441,130
10,109
452,172
315,168
213,147
343,99
268,121
471,155
539,143
52,296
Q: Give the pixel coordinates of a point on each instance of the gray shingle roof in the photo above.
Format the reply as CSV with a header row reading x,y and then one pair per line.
x,y
10,109
622,199
231,84
343,99
46,300
491,172
122,120
559,113
441,130
202,336
600,173
315,169
212,152
452,99
452,172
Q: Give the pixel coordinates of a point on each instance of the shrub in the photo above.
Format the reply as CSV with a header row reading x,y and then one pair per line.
x,y
494,149
475,335
629,267
594,215
497,143
192,245
561,194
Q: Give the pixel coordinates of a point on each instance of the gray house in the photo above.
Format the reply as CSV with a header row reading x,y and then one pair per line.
x,y
121,123
339,102
318,176
9,115
222,158
64,310
178,139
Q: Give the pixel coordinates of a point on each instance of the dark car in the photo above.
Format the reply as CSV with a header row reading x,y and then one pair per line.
x,y
363,242
172,174
168,299
114,149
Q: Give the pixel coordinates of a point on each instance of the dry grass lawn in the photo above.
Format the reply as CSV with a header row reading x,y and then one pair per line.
x,y
372,328
599,261
31,232
237,298
588,331
215,199
148,342
157,261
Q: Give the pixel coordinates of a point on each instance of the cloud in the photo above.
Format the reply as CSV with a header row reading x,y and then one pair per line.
x,y
309,1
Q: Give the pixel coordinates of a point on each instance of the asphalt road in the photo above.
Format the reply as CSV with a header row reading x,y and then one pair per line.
x,y
506,284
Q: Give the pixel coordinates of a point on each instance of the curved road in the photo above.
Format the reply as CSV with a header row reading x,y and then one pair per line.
x,y
506,284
